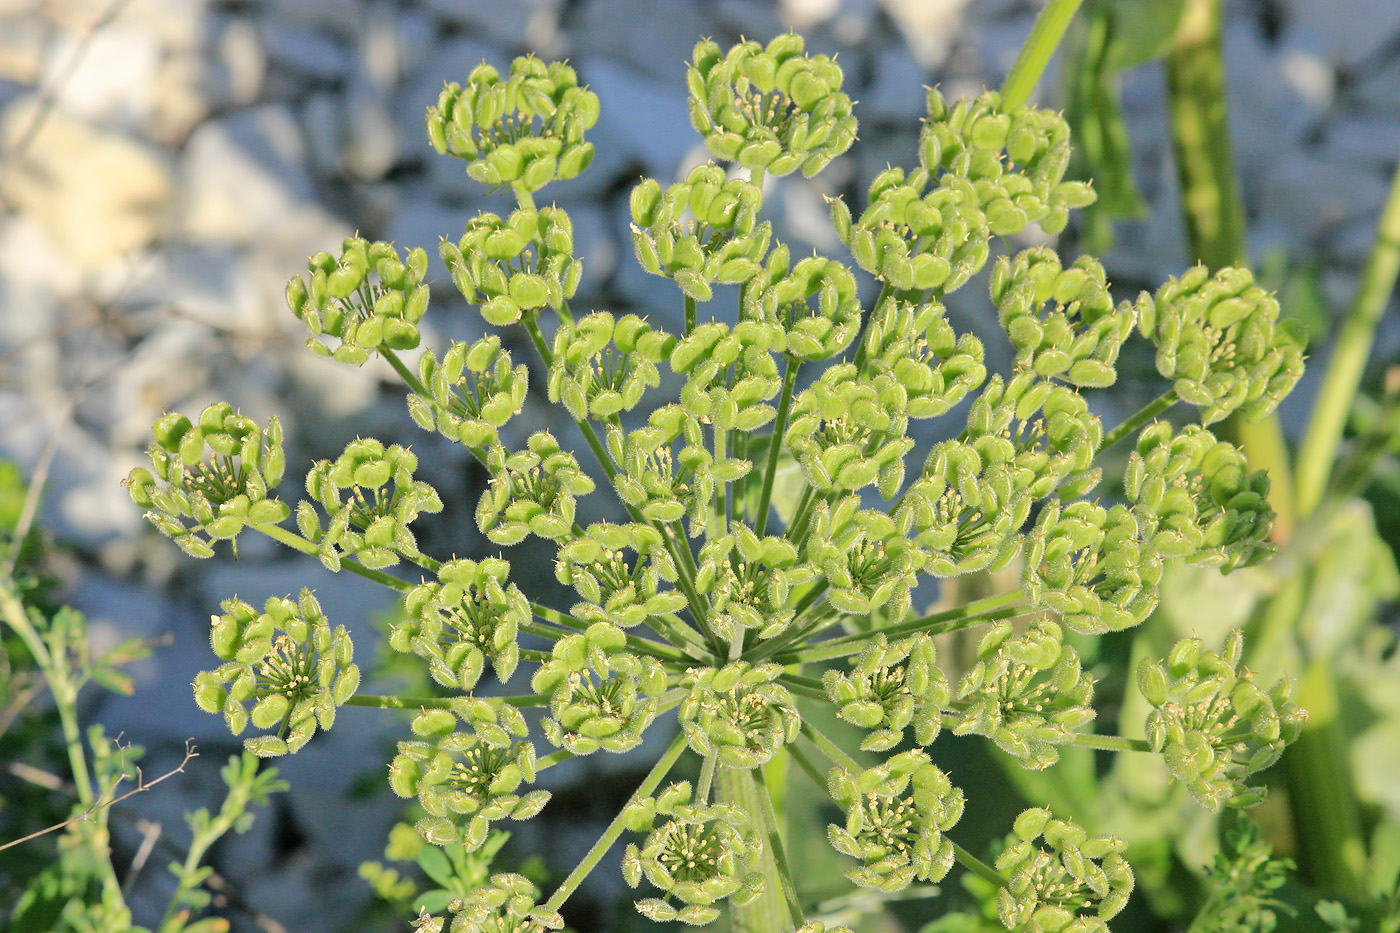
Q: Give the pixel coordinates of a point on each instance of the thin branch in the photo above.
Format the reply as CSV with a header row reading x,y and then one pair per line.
x,y
142,785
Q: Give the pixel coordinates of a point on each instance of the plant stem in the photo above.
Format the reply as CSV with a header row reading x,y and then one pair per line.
x,y
1334,399
990,609
1145,414
978,867
409,377
1213,210
767,913
297,543
830,749
775,447
1045,36
775,845
649,784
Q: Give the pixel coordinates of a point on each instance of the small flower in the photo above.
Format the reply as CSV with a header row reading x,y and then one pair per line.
x,y
620,590
531,492
285,661
522,132
770,108
890,687
896,815
471,613
211,480
699,855
1026,694
1197,499
367,299
917,346
505,905
739,712
602,366
1214,726
1077,338
749,582
1072,884
848,433
700,232
814,304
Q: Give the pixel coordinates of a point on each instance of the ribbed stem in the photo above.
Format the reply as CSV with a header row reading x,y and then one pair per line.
x,y
767,913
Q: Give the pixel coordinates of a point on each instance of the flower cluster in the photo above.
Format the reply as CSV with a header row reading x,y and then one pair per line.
x,y
1212,724
770,537
1221,344
896,815
212,479
285,661
1026,694
889,688
468,615
772,109
371,498
1071,884
367,299
699,854
523,132
466,779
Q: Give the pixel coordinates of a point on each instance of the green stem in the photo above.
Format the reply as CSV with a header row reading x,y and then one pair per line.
x,y
707,778
775,447
767,913
1147,413
1349,356
978,867
297,543
409,703
1213,210
689,315
808,768
637,643
600,848
409,377
950,620
830,749
775,845
1045,36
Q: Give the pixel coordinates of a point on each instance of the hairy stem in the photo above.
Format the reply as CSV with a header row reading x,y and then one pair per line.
x,y
1148,412
768,912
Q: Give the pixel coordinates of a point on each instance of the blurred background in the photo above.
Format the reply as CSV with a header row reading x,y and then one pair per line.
x,y
167,165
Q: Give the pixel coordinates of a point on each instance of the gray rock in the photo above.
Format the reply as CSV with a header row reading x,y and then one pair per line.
x,y
897,93
929,26
371,138
1363,140
304,51
244,176
113,79
99,194
239,64
642,120
653,37
1342,31
512,24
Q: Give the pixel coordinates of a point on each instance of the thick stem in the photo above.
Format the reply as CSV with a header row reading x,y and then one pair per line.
x,y
1349,356
1213,210
767,913
1045,37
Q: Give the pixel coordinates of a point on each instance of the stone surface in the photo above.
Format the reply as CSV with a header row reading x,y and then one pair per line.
x,y
243,176
99,194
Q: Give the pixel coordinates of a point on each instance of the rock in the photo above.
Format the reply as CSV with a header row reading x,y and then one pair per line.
x,y
1342,32
108,76
242,177
181,97
629,32
98,193
21,48
511,24
1369,140
642,120
1266,111
929,26
174,24
448,62
239,64
341,17
897,94
323,121
371,138
303,51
